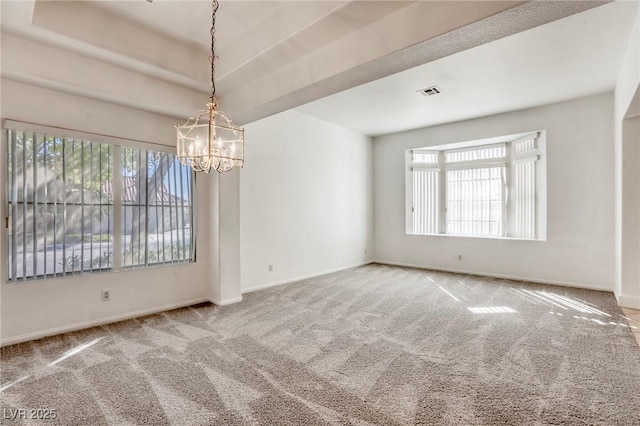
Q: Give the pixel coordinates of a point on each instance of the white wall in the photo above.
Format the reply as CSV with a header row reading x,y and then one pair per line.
x,y
305,199
627,174
579,249
37,308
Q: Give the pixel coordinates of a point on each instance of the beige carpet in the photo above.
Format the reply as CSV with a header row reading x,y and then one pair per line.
x,y
372,345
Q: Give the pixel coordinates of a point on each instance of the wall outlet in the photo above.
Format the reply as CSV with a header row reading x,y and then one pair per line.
x,y
270,268
459,257
106,295
365,252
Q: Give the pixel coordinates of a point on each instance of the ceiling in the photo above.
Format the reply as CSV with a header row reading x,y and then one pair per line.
x,y
573,57
354,63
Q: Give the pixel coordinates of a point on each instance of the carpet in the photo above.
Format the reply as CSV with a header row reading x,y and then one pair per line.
x,y
374,345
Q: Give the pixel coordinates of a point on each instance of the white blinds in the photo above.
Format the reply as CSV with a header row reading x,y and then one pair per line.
x,y
425,201
523,198
60,222
490,152
482,190
68,198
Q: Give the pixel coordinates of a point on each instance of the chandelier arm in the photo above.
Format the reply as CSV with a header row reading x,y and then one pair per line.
x,y
201,114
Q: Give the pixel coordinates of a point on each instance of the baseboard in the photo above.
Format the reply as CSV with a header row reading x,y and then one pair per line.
x,y
302,277
492,275
225,302
86,324
632,302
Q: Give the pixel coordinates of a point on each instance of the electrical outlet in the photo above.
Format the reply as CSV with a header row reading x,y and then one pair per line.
x,y
459,257
270,268
365,252
106,295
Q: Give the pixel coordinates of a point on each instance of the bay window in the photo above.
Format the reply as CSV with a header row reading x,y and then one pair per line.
x,y
490,188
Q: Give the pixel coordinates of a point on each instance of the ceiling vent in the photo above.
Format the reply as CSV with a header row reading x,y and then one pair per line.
x,y
430,91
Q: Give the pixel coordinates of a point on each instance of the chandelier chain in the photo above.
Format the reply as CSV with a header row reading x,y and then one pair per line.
x,y
214,5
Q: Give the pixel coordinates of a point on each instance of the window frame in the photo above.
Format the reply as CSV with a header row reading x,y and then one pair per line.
x,y
509,161
117,144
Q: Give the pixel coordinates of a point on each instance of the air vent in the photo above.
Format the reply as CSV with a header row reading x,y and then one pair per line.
x,y
430,91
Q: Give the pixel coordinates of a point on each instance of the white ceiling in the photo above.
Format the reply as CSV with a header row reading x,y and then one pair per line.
x,y
573,57
360,62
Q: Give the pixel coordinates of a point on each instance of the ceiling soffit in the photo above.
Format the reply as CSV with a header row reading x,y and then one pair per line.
x,y
316,49
415,35
113,34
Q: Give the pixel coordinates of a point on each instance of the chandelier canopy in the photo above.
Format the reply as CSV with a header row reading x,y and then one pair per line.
x,y
211,140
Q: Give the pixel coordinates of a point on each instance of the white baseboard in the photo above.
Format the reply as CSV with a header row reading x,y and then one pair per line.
x,y
101,321
492,275
225,302
632,302
302,277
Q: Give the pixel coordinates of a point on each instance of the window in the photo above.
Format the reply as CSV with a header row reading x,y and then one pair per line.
x,y
65,198
490,188
156,208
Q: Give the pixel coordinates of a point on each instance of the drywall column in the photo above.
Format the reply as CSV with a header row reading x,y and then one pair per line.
x,y
627,174
230,289
629,295
224,238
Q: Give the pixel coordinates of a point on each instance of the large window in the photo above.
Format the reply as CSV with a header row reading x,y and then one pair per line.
x,y
77,206
493,188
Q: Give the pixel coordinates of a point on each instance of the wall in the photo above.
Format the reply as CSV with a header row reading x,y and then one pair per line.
x,y
37,308
579,250
628,286
305,199
627,174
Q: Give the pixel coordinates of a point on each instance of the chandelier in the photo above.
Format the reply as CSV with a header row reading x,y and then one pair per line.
x,y
211,140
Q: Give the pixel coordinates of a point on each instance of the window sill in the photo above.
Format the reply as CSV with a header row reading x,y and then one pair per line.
x,y
478,237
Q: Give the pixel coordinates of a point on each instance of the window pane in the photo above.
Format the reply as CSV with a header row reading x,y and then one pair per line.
x,y
524,146
60,200
425,157
156,208
475,202
478,153
60,217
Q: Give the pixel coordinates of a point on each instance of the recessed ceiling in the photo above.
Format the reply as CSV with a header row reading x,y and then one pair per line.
x,y
573,57
274,55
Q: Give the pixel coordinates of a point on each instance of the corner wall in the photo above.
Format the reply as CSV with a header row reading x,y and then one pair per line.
x,y
627,174
579,250
305,200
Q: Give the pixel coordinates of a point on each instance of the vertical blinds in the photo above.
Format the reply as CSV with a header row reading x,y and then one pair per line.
x,y
474,201
55,205
425,201
63,203
523,197
489,190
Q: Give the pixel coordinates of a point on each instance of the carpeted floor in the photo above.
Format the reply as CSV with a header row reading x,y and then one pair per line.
x,y
372,345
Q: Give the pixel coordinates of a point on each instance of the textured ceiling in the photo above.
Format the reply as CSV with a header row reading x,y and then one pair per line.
x,y
271,55
573,57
